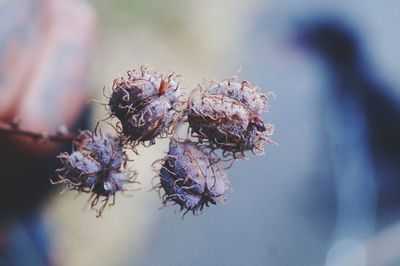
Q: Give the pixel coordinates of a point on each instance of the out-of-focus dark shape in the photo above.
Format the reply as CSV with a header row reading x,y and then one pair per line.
x,y
43,79
355,89
25,178
45,49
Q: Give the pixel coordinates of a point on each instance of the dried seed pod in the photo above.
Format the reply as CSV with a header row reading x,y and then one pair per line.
x,y
191,179
97,165
228,116
147,104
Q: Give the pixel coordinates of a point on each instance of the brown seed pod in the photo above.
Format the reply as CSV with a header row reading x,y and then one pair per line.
x,y
191,179
147,104
97,165
228,116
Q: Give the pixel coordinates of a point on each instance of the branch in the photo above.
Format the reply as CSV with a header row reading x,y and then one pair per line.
x,y
13,129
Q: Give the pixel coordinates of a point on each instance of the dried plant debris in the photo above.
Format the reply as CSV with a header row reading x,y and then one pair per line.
x,y
191,179
228,115
147,104
97,165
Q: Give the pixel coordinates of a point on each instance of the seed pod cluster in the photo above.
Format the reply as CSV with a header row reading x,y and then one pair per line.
x,y
97,165
147,104
228,116
191,179
225,115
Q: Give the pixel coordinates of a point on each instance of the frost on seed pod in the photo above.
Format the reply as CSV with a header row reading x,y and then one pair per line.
x,y
191,179
147,104
97,165
228,115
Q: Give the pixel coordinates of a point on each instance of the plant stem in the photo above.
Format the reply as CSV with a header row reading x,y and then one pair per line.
x,y
13,129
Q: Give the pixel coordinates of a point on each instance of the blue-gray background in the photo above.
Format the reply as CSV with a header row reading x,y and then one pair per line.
x,y
287,207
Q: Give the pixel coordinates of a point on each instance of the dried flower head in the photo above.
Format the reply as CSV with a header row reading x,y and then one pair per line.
x,y
147,104
97,165
191,179
228,116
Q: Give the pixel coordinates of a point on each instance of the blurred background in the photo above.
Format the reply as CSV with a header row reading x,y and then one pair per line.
x,y
328,194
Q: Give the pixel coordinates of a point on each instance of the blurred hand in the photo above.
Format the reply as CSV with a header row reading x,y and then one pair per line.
x,y
44,50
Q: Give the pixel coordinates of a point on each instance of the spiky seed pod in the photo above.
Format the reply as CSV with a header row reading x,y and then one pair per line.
x,y
97,165
147,104
191,179
228,116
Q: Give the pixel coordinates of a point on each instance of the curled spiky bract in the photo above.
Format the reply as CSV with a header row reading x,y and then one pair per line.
x,y
191,179
147,104
97,165
228,116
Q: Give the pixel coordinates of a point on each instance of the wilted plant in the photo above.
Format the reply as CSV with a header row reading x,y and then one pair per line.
x,y
222,116
97,165
228,115
147,104
191,178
